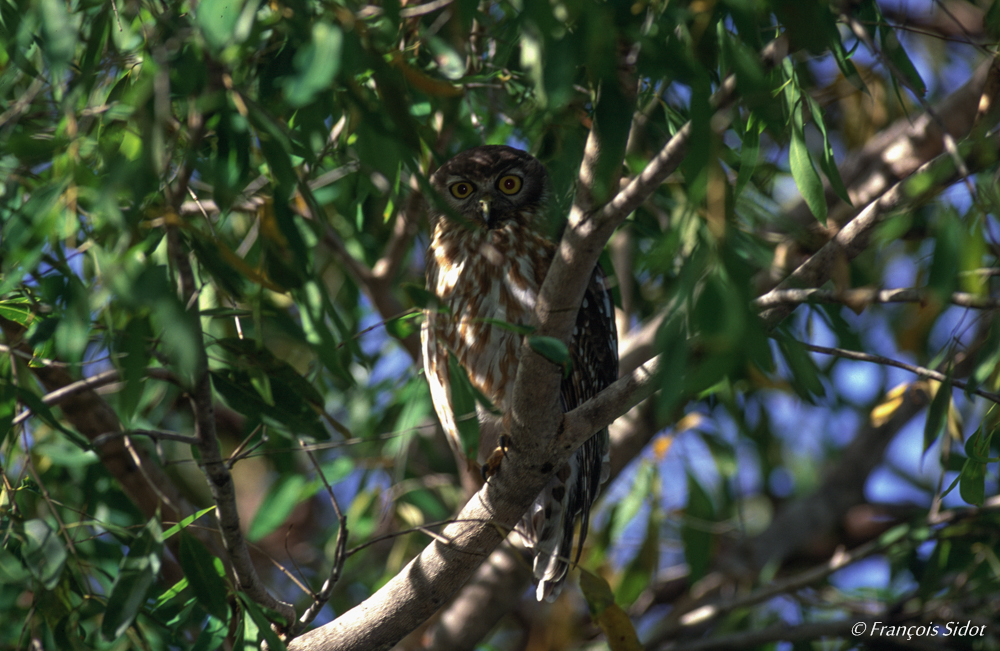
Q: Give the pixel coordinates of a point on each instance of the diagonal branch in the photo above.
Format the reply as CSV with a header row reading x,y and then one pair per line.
x,y
930,179
859,298
537,427
886,361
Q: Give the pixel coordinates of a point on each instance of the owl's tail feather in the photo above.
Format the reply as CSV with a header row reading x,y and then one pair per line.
x,y
550,526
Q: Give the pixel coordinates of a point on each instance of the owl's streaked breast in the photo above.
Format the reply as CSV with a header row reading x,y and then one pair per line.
x,y
483,275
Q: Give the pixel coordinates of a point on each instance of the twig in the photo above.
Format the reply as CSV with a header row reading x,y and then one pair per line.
x,y
81,386
240,453
217,475
886,361
581,423
858,298
150,433
339,556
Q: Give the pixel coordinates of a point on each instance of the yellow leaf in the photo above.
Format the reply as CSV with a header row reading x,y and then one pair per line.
x,y
885,409
617,627
422,82
661,444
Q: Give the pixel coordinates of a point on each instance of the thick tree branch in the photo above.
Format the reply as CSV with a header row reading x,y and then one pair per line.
x,y
537,421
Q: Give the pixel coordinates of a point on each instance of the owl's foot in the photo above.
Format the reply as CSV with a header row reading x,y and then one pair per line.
x,y
492,465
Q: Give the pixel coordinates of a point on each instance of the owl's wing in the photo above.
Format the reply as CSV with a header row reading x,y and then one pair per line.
x,y
575,487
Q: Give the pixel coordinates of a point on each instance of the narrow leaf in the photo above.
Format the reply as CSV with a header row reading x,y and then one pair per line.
x,y
937,412
200,569
805,175
463,407
550,348
136,574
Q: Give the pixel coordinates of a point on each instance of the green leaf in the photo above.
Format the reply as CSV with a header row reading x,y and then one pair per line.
x,y
749,153
185,522
827,162
136,574
59,35
629,506
12,570
894,51
616,625
136,340
463,406
696,529
805,175
942,277
44,553
937,412
261,623
972,481
674,350
218,19
17,310
804,372
212,637
204,573
316,64
8,400
277,505
551,349
173,597
639,572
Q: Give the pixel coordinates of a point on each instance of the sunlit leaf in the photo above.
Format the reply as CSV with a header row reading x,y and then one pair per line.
x,y
315,65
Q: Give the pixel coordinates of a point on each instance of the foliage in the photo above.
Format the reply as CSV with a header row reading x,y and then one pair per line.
x,y
223,199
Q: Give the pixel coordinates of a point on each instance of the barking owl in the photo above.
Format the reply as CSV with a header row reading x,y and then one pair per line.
x,y
485,265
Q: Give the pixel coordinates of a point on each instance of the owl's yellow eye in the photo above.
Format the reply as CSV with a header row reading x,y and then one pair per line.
x,y
509,184
462,189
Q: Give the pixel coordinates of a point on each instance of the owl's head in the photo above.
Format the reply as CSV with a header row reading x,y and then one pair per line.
x,y
493,184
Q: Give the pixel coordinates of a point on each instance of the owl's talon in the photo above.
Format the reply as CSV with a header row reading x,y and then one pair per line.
x,y
492,465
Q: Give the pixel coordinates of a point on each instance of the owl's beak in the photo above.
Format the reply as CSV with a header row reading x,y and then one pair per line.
x,y
484,209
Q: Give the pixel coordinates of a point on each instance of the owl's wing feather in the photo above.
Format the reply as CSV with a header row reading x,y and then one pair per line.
x,y
575,487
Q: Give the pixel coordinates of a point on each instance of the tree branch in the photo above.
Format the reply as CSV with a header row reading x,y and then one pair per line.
x,y
859,298
140,477
220,481
927,181
540,445
886,361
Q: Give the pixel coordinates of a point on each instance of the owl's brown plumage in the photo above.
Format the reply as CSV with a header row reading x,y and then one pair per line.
x,y
487,264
